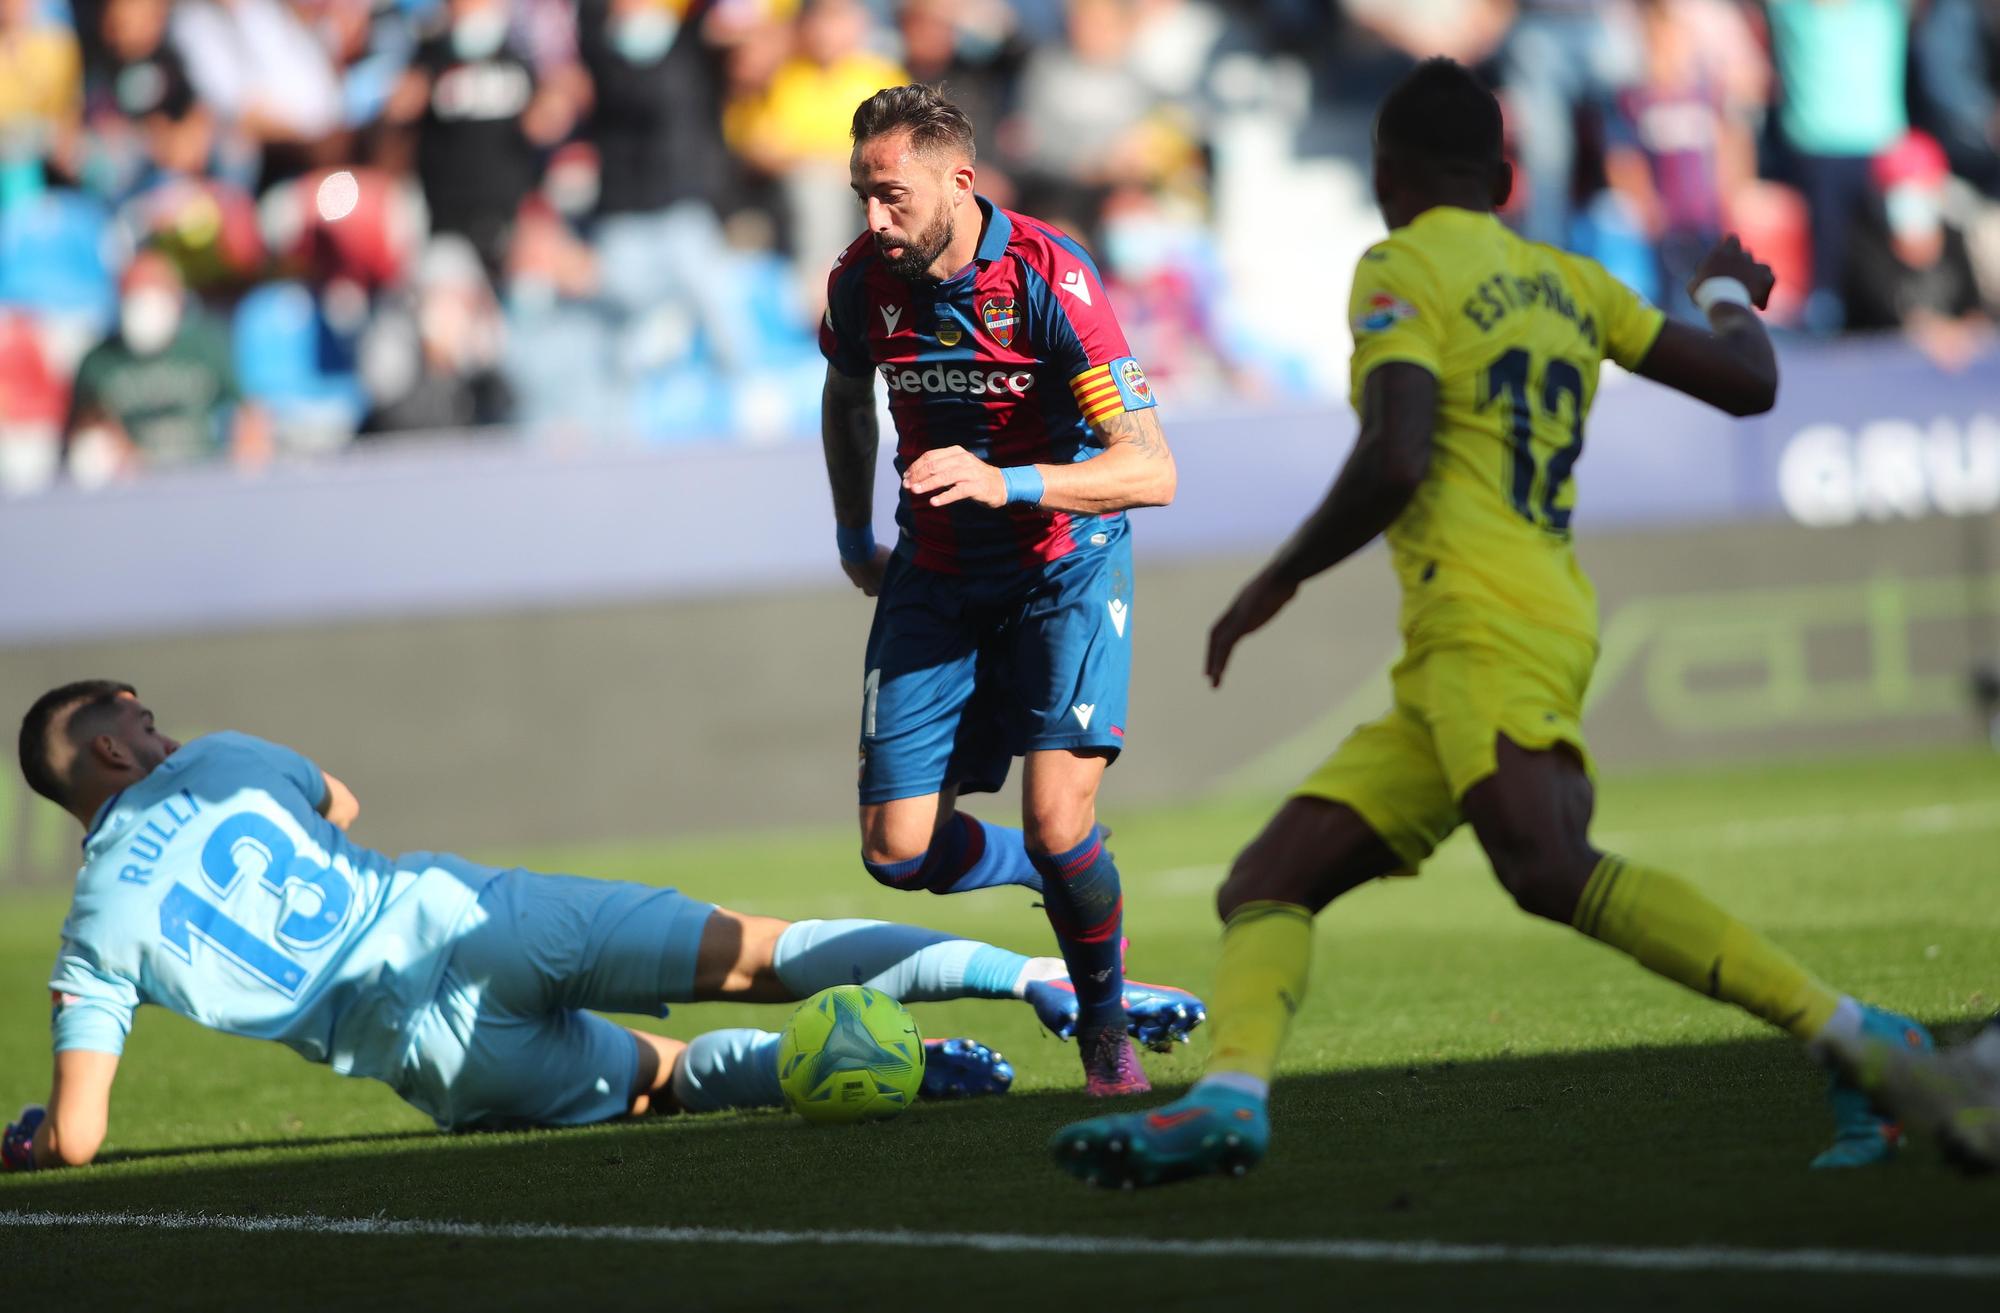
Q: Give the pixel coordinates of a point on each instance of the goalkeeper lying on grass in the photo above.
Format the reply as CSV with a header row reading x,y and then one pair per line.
x,y
218,882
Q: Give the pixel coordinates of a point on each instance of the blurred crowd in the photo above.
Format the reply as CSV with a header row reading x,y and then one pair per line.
x,y
246,229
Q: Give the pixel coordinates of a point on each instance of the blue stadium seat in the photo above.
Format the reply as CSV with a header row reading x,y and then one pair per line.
x,y
1607,234
771,290
289,359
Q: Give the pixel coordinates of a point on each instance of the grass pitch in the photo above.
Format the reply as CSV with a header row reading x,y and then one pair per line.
x,y
1459,1074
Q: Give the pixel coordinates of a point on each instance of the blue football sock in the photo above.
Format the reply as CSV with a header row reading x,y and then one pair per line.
x,y
967,854
729,1069
980,856
1086,909
905,962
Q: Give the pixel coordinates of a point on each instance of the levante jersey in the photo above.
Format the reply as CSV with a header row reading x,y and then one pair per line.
x,y
214,888
1013,358
1514,332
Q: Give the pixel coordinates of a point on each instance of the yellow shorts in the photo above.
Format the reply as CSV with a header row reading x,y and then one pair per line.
x,y
1468,675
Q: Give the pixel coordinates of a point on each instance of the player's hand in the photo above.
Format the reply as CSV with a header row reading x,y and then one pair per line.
x,y
867,575
17,1144
1261,599
1728,259
955,474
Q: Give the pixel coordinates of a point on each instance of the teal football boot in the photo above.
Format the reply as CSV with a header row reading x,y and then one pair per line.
x,y
1862,1134
1212,1131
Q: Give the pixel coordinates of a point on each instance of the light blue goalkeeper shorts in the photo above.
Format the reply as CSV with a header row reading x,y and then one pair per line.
x,y
507,1041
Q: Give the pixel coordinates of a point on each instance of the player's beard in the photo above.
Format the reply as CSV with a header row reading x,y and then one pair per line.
x,y
923,249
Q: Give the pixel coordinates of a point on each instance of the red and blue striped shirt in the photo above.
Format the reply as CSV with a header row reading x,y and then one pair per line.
x,y
1013,358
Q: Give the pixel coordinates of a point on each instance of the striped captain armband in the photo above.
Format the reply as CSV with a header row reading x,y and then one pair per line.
x,y
1114,386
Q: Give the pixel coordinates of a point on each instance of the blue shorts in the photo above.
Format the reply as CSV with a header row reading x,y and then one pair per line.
x,y
967,672
507,1042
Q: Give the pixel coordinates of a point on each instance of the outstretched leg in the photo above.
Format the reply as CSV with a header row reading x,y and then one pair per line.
x,y
1532,816
763,959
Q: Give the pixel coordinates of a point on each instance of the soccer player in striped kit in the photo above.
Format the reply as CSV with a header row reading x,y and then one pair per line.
x,y
1025,430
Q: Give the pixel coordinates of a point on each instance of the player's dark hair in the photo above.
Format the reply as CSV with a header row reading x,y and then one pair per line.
x,y
935,125
80,699
1443,117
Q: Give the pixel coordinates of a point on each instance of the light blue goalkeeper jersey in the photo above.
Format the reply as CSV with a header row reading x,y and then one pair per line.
x,y
215,889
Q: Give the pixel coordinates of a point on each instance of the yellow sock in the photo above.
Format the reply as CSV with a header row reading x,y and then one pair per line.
x,y
1266,948
1672,929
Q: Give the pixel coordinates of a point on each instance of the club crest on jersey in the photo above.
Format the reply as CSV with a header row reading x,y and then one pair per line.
x,y
1383,311
999,316
1134,379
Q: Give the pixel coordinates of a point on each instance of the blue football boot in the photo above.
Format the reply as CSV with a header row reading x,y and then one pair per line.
x,y
963,1069
1158,1016
1212,1131
1862,1134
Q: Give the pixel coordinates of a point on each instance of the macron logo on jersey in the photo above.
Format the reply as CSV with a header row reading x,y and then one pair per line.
x,y
1117,609
1084,711
1073,283
891,316
937,380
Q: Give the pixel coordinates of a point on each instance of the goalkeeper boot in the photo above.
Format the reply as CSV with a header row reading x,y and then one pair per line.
x,y
963,1069
1158,1016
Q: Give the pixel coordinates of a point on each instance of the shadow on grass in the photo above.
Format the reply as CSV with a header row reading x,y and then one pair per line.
x,y
1651,1146
250,1146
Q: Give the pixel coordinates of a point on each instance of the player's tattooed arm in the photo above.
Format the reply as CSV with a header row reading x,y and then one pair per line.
x,y
1135,469
850,435
1390,460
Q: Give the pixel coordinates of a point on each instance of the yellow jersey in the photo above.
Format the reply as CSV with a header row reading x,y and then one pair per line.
x,y
1514,332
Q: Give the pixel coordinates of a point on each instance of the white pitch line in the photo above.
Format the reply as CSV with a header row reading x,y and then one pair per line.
x,y
1824,1262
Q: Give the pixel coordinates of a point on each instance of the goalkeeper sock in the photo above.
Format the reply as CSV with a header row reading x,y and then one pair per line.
x,y
1675,931
905,962
1266,951
729,1069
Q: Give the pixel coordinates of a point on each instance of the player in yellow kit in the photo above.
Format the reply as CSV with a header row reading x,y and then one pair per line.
x,y
1475,363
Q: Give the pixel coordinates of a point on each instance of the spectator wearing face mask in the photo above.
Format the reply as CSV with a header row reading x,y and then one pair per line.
x,y
657,126
482,116
435,365
160,391
1908,266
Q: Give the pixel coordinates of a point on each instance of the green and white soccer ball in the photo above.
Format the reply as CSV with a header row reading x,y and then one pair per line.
x,y
850,1054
